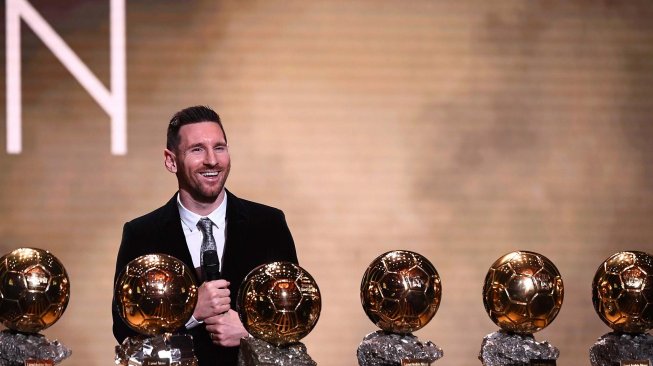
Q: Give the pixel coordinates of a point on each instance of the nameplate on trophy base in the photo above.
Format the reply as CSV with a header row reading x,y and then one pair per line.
x,y
414,362
635,363
33,362
155,361
543,363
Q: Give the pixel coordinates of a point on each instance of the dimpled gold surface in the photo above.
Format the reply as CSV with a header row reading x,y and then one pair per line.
x,y
400,291
279,303
155,293
622,292
34,290
523,292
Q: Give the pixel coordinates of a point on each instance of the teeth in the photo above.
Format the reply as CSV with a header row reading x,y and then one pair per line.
x,y
210,174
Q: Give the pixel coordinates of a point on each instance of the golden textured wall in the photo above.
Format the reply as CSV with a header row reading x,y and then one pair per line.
x,y
458,129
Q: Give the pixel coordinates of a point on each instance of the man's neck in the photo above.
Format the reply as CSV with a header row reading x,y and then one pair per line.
x,y
199,207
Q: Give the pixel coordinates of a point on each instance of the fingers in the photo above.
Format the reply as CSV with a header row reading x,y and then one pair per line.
x,y
223,340
214,305
213,299
217,284
218,307
213,323
220,340
217,297
226,329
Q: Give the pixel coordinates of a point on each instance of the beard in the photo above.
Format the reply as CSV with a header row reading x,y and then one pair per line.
x,y
205,191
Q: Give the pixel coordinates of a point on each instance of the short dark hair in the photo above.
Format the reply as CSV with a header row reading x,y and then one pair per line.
x,y
187,116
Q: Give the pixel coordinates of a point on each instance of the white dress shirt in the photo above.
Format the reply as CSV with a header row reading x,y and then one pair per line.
x,y
193,236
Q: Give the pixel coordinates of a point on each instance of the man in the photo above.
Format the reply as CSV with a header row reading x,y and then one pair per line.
x,y
246,234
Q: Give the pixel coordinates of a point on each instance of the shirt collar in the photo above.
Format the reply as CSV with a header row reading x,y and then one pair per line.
x,y
190,218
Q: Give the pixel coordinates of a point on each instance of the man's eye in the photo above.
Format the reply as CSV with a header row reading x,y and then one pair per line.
x,y
196,149
220,148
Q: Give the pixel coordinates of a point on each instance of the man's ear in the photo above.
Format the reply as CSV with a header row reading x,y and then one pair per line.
x,y
170,161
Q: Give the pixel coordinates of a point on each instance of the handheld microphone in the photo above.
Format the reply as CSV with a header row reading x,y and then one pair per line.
x,y
211,266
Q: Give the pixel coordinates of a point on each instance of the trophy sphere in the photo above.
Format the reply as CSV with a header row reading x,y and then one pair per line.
x,y
523,292
622,292
401,291
279,303
34,290
155,293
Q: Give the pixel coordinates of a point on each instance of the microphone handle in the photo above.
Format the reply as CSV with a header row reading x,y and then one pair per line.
x,y
211,265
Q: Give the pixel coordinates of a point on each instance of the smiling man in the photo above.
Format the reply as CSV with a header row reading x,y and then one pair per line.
x,y
244,234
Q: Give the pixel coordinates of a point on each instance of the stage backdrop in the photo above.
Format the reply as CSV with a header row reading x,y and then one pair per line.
x,y
458,129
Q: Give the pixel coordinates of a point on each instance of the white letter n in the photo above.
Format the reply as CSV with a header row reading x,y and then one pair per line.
x,y
113,103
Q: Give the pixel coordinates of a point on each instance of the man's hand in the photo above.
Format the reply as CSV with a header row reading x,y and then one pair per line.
x,y
212,299
225,329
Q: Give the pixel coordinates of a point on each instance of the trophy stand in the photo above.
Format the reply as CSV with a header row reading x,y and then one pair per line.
x,y
622,290
503,348
155,295
278,303
400,293
257,352
25,349
384,348
162,350
622,348
522,294
34,294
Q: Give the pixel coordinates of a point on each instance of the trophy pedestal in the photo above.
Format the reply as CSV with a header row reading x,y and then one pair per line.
x,y
384,349
614,348
502,348
255,352
16,348
161,350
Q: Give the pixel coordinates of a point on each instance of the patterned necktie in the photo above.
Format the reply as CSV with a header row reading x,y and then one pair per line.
x,y
208,243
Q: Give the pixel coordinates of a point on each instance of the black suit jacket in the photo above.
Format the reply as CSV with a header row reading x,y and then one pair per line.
x,y
255,234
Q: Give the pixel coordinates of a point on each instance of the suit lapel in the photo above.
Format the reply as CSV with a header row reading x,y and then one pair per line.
x,y
236,233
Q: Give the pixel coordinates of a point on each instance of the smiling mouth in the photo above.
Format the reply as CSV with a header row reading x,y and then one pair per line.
x,y
209,174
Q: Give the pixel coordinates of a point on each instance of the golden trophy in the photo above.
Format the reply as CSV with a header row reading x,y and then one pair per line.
x,y
400,293
522,294
156,295
279,303
34,293
622,293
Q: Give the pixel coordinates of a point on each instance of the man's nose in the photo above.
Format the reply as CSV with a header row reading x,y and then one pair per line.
x,y
211,157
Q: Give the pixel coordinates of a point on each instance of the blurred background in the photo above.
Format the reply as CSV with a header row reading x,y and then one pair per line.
x,y
462,130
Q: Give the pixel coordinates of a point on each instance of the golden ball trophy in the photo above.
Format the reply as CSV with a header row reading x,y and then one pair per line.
x,y
522,294
156,295
622,293
400,293
279,303
34,293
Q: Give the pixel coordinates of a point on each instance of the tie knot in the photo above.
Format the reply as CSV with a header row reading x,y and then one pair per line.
x,y
206,225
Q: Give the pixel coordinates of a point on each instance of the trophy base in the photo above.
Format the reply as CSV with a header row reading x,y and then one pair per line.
x,y
255,352
18,348
162,350
628,349
502,348
389,349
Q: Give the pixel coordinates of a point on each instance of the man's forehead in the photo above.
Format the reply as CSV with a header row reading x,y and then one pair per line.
x,y
201,131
